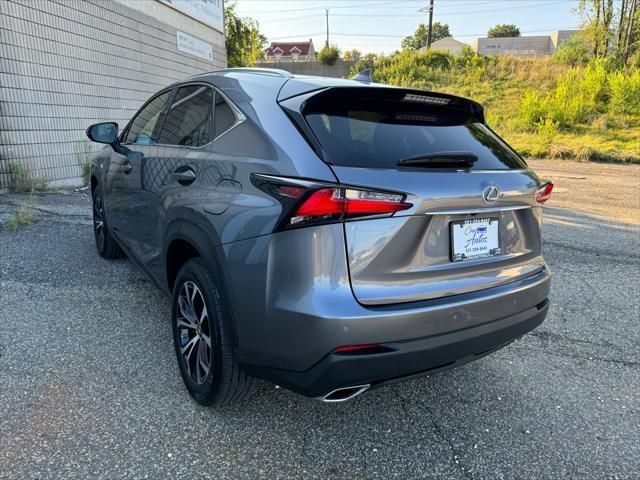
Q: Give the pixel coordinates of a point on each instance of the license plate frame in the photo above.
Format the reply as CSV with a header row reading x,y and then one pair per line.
x,y
470,252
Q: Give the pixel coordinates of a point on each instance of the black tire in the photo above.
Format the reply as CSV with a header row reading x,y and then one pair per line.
x,y
105,243
224,382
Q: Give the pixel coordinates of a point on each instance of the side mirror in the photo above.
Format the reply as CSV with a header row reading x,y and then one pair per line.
x,y
106,132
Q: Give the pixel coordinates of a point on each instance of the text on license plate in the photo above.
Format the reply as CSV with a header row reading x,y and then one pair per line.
x,y
474,238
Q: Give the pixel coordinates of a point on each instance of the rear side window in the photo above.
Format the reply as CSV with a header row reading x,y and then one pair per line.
x,y
142,127
378,133
224,116
189,120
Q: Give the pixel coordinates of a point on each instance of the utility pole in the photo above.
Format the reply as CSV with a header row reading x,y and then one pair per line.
x,y
429,35
326,14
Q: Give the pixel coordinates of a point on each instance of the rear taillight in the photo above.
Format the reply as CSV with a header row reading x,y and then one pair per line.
x,y
305,202
347,203
544,192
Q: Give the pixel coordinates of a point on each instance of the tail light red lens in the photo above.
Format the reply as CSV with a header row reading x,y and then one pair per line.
x,y
544,192
306,202
349,202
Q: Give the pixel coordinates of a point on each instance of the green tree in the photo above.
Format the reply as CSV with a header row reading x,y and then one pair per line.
x,y
363,63
420,36
328,55
611,31
244,42
504,30
353,54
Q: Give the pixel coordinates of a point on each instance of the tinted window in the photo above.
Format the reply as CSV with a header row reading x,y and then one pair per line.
x,y
189,120
224,116
142,128
377,133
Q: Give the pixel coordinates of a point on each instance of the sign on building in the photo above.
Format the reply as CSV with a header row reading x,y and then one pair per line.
x,y
194,46
209,12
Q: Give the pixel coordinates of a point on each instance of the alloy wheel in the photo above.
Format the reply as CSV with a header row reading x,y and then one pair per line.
x,y
194,332
98,221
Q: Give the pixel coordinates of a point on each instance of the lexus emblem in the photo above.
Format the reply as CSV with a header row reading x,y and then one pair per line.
x,y
491,194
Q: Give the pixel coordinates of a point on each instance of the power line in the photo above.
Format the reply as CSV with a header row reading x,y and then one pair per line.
x,y
387,3
446,14
393,5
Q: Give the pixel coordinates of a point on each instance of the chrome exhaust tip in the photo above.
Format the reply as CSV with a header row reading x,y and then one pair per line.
x,y
345,393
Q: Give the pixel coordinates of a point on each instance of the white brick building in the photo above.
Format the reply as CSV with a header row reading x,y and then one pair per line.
x,y
65,64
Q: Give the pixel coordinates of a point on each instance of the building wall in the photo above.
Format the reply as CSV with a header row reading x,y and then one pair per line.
x,y
65,64
559,37
339,70
514,46
538,45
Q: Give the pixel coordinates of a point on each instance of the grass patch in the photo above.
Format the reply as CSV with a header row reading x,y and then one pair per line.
x,y
25,214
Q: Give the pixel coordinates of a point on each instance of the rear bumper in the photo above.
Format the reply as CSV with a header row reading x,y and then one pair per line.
x,y
457,336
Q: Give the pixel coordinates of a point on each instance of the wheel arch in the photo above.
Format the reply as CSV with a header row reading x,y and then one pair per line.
x,y
187,240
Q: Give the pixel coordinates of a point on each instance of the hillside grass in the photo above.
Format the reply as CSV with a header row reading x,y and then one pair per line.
x,y
544,108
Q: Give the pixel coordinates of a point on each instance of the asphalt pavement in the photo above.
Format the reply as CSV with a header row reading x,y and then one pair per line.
x,y
89,386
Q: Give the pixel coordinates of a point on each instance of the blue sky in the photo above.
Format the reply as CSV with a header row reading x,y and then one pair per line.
x,y
379,25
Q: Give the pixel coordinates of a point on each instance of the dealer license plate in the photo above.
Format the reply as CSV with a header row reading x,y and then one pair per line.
x,y
475,238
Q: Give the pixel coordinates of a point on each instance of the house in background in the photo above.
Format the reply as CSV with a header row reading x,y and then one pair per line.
x,y
448,44
534,45
291,52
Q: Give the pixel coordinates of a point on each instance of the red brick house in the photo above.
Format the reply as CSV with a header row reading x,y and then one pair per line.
x,y
291,52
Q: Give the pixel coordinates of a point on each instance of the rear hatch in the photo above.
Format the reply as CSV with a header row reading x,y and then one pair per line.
x,y
474,221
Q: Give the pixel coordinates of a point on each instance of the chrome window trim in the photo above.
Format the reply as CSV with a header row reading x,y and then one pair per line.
x,y
240,117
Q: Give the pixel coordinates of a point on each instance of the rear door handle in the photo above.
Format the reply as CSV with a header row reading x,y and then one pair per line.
x,y
184,176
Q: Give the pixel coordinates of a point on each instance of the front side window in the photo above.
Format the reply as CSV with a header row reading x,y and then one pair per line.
x,y
189,120
141,131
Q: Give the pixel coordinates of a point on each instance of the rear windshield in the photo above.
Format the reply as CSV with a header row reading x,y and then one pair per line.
x,y
378,133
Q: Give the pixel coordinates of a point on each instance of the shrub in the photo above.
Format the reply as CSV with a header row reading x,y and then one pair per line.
x,y
594,87
22,180
574,52
546,129
329,55
625,92
567,105
434,59
532,108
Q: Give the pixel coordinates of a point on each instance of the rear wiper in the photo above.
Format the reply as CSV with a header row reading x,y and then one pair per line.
x,y
437,159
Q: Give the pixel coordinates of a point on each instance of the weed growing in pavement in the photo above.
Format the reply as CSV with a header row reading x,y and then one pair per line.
x,y
83,155
25,214
23,180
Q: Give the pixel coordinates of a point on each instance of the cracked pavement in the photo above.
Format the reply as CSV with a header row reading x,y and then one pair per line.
x,y
89,386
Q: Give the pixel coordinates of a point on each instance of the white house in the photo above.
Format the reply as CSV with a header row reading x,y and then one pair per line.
x,y
448,44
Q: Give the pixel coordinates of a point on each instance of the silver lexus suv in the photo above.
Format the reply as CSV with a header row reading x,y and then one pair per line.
x,y
327,235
